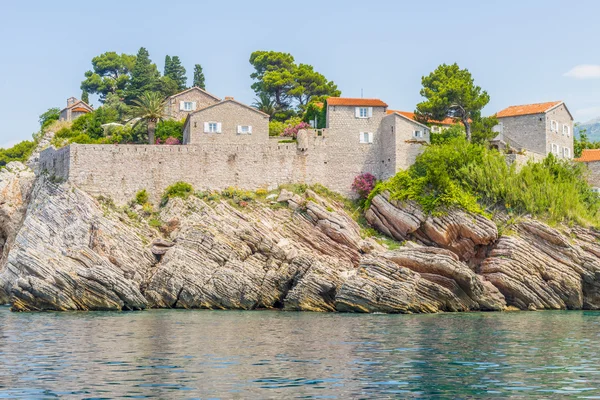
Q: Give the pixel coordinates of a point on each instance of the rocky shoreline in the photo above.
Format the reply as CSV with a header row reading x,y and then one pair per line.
x,y
65,250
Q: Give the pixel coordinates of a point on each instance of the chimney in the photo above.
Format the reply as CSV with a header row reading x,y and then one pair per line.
x,y
70,100
228,97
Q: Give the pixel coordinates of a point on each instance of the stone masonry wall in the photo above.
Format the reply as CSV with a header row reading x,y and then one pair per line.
x,y
594,173
201,98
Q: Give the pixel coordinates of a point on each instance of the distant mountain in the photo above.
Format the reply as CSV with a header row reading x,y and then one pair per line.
x,y
592,129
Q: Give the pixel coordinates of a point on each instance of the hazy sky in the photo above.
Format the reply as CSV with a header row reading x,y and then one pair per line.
x,y
519,51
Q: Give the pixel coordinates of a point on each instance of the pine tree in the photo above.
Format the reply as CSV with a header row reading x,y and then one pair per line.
x,y
177,73
144,77
199,76
85,97
168,64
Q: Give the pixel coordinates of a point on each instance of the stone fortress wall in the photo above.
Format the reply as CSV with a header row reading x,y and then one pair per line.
x,y
120,171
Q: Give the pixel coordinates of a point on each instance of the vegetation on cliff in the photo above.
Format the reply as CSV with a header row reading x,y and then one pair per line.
x,y
477,179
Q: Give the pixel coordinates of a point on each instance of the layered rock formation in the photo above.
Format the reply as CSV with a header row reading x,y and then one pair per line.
x,y
301,252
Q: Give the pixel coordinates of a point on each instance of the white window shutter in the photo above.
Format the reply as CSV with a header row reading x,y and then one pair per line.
x,y
218,127
193,105
182,105
206,128
249,128
360,137
370,135
357,112
370,112
239,129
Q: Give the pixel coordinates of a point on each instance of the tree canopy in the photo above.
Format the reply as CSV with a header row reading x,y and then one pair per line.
x,y
451,92
49,116
199,77
176,72
110,74
290,86
144,77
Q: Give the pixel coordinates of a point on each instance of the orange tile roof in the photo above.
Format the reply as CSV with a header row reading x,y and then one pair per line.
x,y
80,109
527,109
348,101
588,155
411,115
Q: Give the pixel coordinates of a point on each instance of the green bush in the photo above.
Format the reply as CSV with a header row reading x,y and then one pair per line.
x,y
169,128
141,197
19,152
180,189
473,177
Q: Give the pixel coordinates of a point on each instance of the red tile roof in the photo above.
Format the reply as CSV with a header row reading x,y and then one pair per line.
x,y
410,115
589,155
527,109
348,101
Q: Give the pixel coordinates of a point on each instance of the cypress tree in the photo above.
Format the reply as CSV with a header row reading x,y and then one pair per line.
x,y
144,77
168,64
177,73
199,76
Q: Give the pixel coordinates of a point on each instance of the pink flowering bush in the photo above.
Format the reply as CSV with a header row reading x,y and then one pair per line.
x,y
363,184
292,131
172,141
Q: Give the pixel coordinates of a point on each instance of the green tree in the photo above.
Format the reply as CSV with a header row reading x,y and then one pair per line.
x,y
265,104
199,77
19,152
167,69
451,92
311,85
482,129
144,77
316,112
49,116
448,134
85,97
582,142
114,102
176,72
110,74
150,108
273,75
167,86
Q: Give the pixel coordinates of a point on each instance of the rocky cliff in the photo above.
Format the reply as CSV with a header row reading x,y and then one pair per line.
x,y
70,251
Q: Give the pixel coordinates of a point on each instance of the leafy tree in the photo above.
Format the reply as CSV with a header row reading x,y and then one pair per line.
x,y
19,152
482,129
176,72
49,117
274,75
316,111
448,134
451,92
114,102
265,104
167,86
144,77
582,142
199,77
85,97
311,85
167,128
110,74
150,108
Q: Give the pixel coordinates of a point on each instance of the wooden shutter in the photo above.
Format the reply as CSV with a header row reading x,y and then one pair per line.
x,y
370,112
206,128
218,127
357,112
181,105
370,137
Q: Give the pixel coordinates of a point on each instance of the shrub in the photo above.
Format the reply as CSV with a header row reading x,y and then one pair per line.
x,y
141,197
169,128
292,130
172,141
363,184
19,152
179,189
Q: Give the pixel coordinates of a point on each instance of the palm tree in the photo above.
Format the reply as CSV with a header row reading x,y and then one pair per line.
x,y
265,104
150,107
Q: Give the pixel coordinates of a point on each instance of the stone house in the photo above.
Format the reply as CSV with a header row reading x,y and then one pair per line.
x,y
540,129
226,122
434,126
179,105
591,158
74,109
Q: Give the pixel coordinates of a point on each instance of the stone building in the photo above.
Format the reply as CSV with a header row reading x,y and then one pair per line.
x,y
74,109
435,126
540,129
181,104
591,158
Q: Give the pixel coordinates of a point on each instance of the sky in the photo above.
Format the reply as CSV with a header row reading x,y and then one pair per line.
x,y
520,52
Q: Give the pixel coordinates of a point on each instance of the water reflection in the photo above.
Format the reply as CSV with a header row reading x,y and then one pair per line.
x,y
209,354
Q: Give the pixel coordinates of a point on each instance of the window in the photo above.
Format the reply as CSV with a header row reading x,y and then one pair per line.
x,y
566,130
244,129
566,152
555,148
363,112
366,137
553,126
212,127
187,105
435,129
418,134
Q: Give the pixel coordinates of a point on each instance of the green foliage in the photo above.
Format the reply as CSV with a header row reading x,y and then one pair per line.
x,y
85,97
176,72
19,152
155,222
314,111
144,77
49,117
289,86
150,108
110,74
448,134
141,197
199,77
288,141
482,129
180,189
265,104
451,92
276,128
582,142
169,128
473,177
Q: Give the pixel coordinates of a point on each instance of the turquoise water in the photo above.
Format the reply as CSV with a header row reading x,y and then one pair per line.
x,y
262,354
